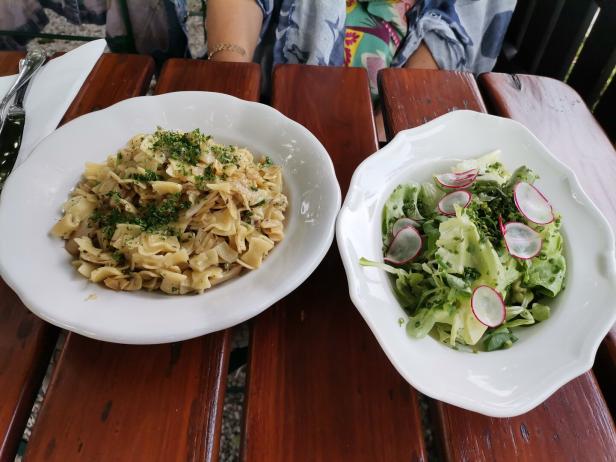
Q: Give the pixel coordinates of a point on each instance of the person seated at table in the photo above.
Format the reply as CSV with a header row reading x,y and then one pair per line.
x,y
154,27
465,35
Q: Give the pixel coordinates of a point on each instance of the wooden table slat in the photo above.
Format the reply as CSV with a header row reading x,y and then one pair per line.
x,y
26,345
242,80
574,424
115,77
319,386
126,402
558,116
405,95
26,342
158,402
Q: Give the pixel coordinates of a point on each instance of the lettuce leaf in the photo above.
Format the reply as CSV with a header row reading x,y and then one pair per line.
x,y
546,273
460,247
482,163
540,312
401,203
421,323
498,339
523,318
429,196
522,173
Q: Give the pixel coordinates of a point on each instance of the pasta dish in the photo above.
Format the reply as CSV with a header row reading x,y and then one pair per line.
x,y
173,211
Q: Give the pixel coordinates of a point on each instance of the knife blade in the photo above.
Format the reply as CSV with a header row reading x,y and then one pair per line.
x,y
11,135
12,125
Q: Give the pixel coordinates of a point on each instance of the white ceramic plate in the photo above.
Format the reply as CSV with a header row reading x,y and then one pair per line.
x,y
37,267
547,355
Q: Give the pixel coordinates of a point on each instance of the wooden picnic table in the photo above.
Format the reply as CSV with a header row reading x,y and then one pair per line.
x,y
319,387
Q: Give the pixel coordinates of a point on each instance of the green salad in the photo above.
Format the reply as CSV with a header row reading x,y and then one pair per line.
x,y
473,254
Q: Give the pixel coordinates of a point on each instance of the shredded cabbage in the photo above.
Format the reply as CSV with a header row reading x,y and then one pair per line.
x,y
467,250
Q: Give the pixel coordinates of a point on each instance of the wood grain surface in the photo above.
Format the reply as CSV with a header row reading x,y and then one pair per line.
x,y
408,91
575,423
159,402
572,425
125,402
557,115
9,62
121,76
242,80
319,386
26,342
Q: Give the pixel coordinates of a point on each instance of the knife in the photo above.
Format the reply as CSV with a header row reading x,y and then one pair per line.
x,y
10,136
11,130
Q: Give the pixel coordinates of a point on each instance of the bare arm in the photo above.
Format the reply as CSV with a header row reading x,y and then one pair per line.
x,y
421,59
236,22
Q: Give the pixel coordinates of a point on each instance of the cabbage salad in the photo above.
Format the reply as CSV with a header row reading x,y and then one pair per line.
x,y
473,254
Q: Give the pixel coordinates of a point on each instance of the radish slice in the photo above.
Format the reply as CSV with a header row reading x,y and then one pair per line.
x,y
488,306
446,204
521,241
403,223
467,173
405,246
457,180
532,204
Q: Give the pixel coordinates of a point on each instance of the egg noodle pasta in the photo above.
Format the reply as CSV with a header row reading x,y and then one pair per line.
x,y
173,211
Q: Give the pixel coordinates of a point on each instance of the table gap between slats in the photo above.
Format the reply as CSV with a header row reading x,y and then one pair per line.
x,y
319,386
575,423
129,402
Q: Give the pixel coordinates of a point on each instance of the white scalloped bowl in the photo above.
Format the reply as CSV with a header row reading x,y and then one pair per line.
x,y
38,268
547,355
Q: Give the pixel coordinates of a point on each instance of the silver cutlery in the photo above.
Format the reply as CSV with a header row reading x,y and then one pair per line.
x,y
14,118
27,68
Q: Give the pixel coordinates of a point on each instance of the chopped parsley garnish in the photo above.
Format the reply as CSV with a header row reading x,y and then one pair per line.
x,y
267,162
246,215
118,257
152,218
107,220
149,175
225,154
258,204
485,214
470,274
207,177
114,196
185,147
